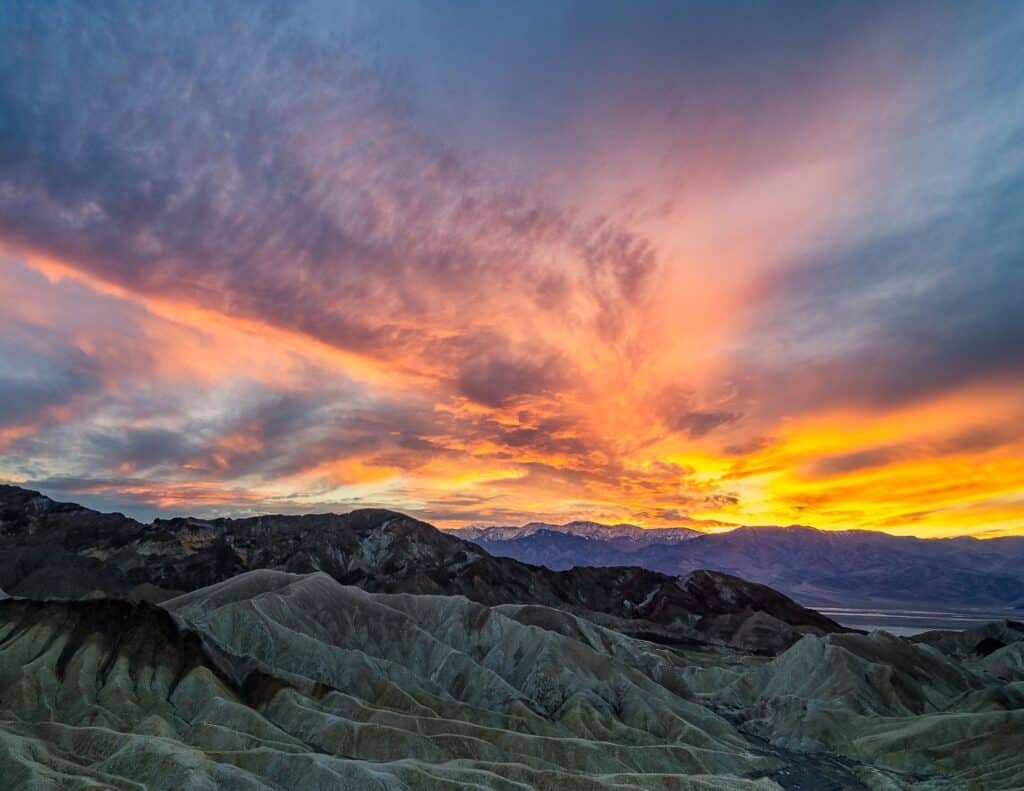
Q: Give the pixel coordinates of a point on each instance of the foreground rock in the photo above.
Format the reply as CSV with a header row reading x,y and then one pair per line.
x,y
274,680
277,680
945,712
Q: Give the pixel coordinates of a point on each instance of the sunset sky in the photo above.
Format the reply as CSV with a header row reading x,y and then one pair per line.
x,y
667,263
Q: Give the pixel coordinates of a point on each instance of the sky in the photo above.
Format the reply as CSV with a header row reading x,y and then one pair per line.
x,y
681,263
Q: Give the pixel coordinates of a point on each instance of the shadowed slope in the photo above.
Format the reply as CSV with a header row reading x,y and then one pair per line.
x,y
274,680
939,710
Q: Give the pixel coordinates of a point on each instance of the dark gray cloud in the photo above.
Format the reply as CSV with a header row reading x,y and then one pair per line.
x,y
139,449
237,158
906,318
45,373
751,445
859,460
494,380
681,412
31,385
974,441
702,422
534,79
924,292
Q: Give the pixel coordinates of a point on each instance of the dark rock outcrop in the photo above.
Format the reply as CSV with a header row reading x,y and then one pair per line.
x,y
61,550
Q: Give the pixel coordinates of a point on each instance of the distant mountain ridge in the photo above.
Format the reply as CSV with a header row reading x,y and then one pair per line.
x,y
818,568
623,534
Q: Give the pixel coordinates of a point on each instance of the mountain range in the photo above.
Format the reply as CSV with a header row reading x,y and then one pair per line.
x,y
370,651
621,535
50,549
853,568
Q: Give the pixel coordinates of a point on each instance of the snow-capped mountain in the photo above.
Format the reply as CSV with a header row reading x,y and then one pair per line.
x,y
620,534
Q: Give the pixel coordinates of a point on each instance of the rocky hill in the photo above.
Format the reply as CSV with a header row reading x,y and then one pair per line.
x,y
61,550
272,680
